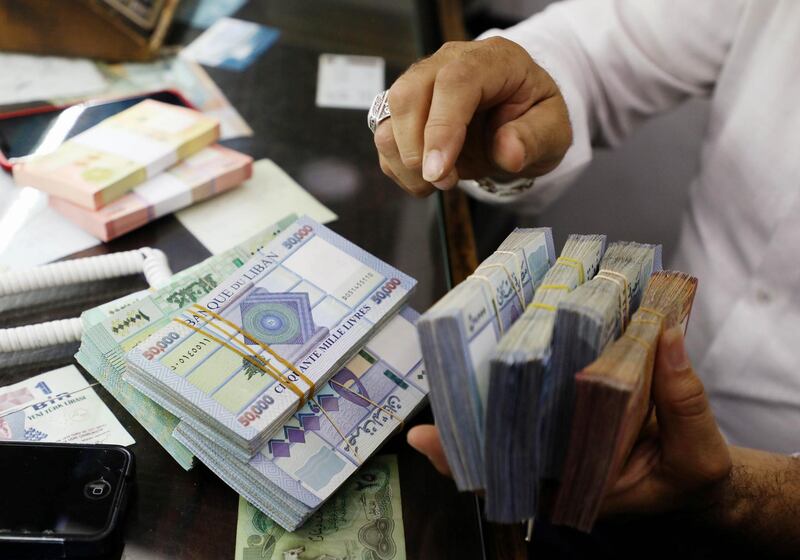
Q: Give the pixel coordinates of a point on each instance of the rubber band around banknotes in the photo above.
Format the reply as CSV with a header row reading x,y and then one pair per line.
x,y
265,347
638,319
280,376
520,292
574,263
624,295
519,268
540,305
270,370
640,341
276,377
562,287
491,295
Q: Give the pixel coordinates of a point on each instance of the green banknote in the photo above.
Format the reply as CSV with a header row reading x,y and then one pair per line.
x,y
363,520
112,329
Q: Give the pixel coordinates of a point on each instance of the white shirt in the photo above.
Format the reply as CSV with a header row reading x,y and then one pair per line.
x,y
619,62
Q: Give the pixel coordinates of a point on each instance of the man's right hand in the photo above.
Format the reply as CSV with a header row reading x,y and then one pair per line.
x,y
472,110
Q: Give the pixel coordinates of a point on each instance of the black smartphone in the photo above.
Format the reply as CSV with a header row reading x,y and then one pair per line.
x,y
61,500
40,129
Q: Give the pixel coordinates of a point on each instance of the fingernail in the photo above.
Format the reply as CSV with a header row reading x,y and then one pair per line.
x,y
433,166
677,358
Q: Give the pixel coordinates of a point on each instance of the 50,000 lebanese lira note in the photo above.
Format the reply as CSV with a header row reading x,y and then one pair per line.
x,y
111,330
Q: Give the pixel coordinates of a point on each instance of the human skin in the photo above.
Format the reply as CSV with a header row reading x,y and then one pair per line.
x,y
472,110
682,463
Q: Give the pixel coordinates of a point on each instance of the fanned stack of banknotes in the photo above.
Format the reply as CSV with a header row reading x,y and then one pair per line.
x,y
287,361
282,364
540,369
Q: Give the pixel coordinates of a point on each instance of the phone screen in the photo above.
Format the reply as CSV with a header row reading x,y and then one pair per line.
x,y
59,491
24,135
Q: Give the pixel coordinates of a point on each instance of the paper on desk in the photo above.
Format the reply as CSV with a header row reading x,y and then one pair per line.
x,y
32,233
235,216
186,76
348,81
58,406
201,14
231,43
27,78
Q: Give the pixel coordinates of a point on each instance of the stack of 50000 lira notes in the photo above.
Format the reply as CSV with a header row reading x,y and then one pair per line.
x,y
138,165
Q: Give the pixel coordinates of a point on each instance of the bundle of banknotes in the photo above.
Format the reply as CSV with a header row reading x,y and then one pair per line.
x,y
134,167
458,335
540,378
282,364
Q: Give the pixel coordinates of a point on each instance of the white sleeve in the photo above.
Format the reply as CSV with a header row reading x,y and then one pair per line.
x,y
618,62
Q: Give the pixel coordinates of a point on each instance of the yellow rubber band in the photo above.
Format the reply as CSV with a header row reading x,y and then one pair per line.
x,y
574,263
563,287
312,386
262,367
539,305
639,341
652,311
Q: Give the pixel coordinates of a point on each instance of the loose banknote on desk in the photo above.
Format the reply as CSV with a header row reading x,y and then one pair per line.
x,y
324,443
364,519
296,312
113,329
58,406
104,162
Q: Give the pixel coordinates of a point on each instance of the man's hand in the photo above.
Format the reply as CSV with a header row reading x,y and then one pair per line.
x,y
472,110
682,460
679,462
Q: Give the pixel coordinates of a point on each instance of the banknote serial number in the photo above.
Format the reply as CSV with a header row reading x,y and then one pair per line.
x,y
160,346
358,285
298,236
190,353
385,291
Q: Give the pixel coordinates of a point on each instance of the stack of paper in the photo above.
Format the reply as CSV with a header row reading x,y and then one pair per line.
x,y
587,319
612,400
282,372
323,443
207,173
240,362
518,368
101,164
111,330
458,335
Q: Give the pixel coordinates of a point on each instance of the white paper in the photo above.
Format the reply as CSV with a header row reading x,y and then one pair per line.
x,y
348,81
226,220
27,77
32,233
58,406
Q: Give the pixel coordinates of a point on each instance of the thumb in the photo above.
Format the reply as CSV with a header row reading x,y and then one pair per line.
x,y
689,434
536,141
425,439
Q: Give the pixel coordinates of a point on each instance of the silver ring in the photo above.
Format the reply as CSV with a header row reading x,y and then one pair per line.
x,y
379,111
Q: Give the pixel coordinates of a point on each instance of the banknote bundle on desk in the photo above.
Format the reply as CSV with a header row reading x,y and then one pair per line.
x,y
282,364
138,165
540,369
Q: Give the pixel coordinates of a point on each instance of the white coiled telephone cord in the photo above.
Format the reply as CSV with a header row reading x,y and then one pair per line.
x,y
152,262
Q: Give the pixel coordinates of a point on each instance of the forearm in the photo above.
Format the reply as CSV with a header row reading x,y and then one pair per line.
x,y
760,499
